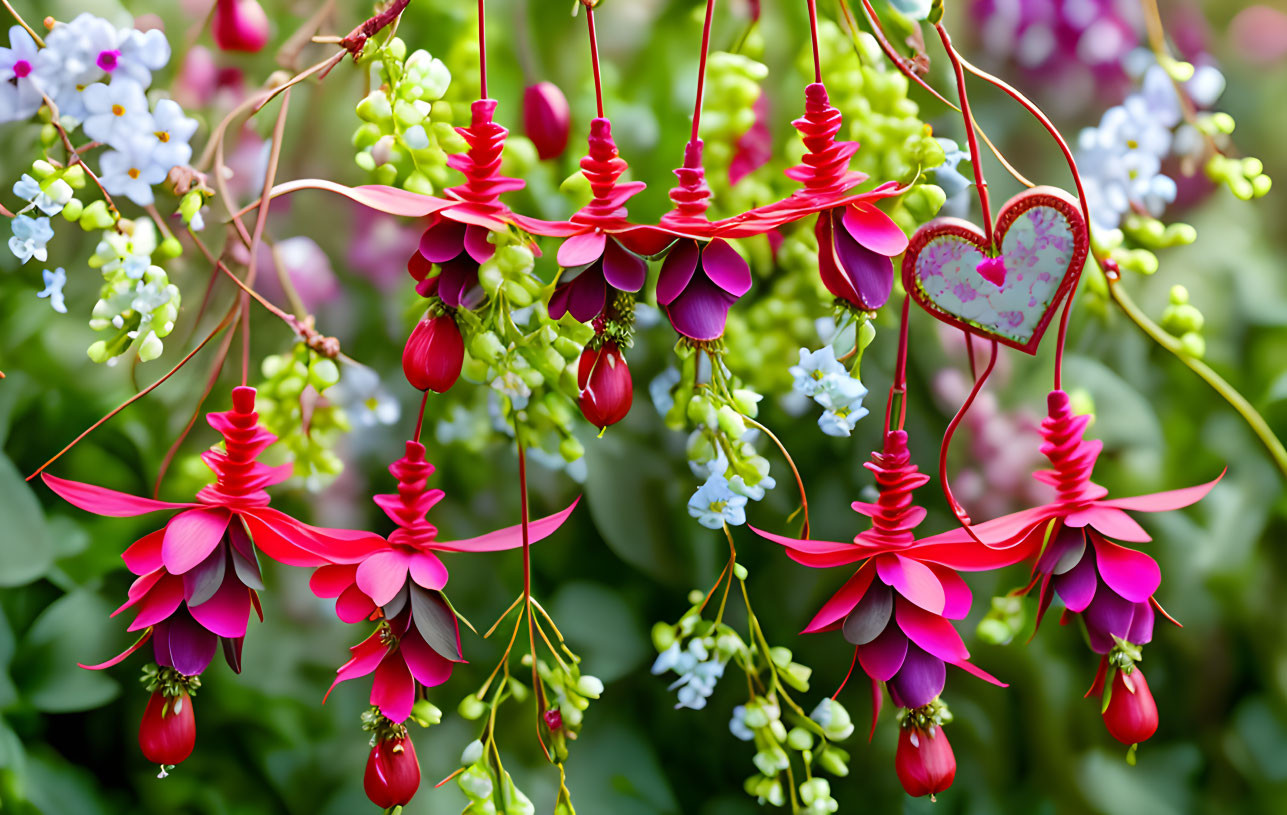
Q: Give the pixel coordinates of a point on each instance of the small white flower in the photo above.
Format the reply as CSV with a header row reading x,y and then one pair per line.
x,y
132,171
813,366
839,390
30,236
512,385
54,282
141,53
840,421
20,75
173,131
660,387
49,201
117,114
416,138
715,504
737,724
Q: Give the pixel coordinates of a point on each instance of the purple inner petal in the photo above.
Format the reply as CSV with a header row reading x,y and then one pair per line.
x,y
456,277
883,656
677,270
477,245
1142,624
869,618
191,646
1107,616
920,678
622,269
587,295
1064,551
559,300
871,273
1077,586
701,311
442,241
726,268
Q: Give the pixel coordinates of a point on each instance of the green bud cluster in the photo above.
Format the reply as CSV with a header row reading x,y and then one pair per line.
x,y
1004,620
569,692
137,302
406,130
292,404
489,788
168,681
1245,177
1185,321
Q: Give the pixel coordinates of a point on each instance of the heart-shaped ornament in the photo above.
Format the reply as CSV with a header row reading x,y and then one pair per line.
x,y
1010,296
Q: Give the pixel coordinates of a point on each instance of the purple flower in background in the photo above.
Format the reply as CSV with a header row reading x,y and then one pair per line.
x,y
379,247
699,283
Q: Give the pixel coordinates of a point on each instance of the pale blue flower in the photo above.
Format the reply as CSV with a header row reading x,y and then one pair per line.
x,y
117,114
660,387
30,236
756,492
20,77
839,391
737,725
54,282
813,366
699,671
132,170
715,504
49,201
173,131
948,175
840,421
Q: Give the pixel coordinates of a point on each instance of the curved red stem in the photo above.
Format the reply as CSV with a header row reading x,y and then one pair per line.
x,y
980,184
957,509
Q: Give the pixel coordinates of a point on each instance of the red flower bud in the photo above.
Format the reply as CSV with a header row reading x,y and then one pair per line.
x,y
553,719
168,731
606,389
1131,715
239,25
392,773
924,762
434,354
546,118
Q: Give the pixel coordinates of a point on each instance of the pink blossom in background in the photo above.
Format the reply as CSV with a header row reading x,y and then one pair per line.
x,y
379,247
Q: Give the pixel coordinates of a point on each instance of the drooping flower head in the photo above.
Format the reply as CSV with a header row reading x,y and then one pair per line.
x,y
401,577
199,575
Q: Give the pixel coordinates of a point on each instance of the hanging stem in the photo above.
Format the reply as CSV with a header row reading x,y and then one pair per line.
x,y
594,59
482,50
420,417
804,500
899,386
39,42
813,35
957,509
701,68
975,159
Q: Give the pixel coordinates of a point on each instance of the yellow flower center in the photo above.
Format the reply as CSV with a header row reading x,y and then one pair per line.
x,y
133,172
118,110
163,136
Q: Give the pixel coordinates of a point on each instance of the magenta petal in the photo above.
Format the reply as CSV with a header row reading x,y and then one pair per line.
x,y
442,241
579,250
1129,572
102,501
726,268
428,666
427,570
842,602
677,270
191,646
190,537
812,546
1078,585
367,655
883,656
202,581
587,294
871,273
331,581
227,612
1064,551
1110,522
913,580
393,690
956,593
920,678
382,575
975,670
930,631
476,244
159,602
509,537
1141,631
559,301
144,555
353,606
874,229
1163,501
138,643
622,269
701,311
1107,616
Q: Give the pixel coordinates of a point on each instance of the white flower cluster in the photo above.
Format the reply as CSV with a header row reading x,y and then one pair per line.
x,y
137,300
820,376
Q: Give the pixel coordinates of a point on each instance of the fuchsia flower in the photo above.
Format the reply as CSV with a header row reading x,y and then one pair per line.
x,y
924,762
606,388
896,610
1109,585
434,354
239,25
392,772
458,249
856,247
198,576
699,283
547,119
418,639
168,730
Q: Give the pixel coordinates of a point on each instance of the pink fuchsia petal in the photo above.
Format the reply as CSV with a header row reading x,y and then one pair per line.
x,y
935,634
842,602
883,656
331,581
382,575
140,587
677,271
427,570
102,501
227,612
870,273
510,537
622,269
956,593
191,536
293,543
393,690
1141,632
1129,572
191,646
913,580
582,249
159,602
366,656
874,229
353,606
476,244
144,555
968,555
138,643
726,268
1164,501
819,547
701,312
442,242
390,200
920,678
428,666
1078,585
975,670
1110,522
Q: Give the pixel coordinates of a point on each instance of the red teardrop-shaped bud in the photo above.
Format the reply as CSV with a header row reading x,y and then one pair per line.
x,y
553,719
392,773
1131,715
239,25
606,389
434,354
168,731
547,119
924,761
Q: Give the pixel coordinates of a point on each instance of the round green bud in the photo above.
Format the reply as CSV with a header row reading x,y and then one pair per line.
x,y
471,708
799,739
994,631
170,248
323,374
731,422
1194,345
72,210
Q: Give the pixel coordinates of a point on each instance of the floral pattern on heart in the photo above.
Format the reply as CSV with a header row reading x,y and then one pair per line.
x,y
1011,296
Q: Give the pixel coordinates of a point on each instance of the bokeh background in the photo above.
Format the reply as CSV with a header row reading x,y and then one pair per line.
x,y
630,554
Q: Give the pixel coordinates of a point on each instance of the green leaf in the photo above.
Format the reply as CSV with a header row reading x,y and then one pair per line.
x,y
25,549
601,626
71,630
